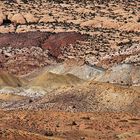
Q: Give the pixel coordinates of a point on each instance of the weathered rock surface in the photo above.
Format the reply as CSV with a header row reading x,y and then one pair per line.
x,y
83,71
2,18
15,48
46,19
74,15
95,68
123,74
18,19
51,81
30,18
64,95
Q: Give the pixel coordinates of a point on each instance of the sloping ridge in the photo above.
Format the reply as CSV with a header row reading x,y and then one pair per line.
x,y
123,74
50,80
7,79
84,72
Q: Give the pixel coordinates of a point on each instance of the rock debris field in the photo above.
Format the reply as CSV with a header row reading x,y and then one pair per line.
x,y
69,70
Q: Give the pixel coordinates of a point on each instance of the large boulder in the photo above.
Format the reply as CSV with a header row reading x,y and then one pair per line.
x,y
30,18
18,19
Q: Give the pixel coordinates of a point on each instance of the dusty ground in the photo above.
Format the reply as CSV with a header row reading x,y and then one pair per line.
x,y
69,70
41,125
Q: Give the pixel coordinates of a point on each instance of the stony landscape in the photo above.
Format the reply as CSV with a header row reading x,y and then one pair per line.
x,y
69,70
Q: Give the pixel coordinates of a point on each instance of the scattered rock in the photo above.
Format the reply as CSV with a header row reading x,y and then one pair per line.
x,y
110,54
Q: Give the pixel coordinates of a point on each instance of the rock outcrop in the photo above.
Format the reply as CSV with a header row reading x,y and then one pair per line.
x,y
123,74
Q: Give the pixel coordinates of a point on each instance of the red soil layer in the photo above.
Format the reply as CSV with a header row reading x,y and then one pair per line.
x,y
22,40
55,42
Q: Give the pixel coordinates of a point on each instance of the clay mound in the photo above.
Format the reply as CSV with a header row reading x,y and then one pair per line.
x,y
124,74
9,80
55,42
51,81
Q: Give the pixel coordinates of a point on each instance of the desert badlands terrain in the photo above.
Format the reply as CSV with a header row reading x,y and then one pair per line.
x,y
69,70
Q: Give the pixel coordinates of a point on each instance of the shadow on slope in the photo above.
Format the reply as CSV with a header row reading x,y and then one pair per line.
x,y
7,79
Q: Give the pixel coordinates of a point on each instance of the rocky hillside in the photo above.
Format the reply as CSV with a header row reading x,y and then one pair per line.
x,y
69,70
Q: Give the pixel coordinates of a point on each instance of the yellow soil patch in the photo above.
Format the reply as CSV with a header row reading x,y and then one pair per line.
x,y
52,81
11,97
